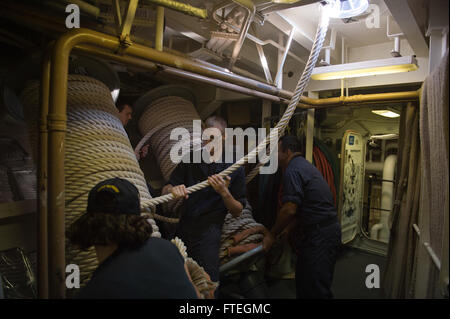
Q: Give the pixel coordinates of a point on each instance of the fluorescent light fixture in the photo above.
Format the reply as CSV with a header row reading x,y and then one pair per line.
x,y
366,68
386,113
342,9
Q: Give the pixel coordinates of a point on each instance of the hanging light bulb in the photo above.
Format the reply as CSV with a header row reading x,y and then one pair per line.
x,y
342,9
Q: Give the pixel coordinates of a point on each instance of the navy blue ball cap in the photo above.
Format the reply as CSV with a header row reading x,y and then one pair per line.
x,y
114,196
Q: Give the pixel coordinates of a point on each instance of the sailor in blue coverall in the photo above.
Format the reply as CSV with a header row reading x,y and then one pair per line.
x,y
307,203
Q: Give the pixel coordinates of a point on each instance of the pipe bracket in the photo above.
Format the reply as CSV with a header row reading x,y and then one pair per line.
x,y
124,43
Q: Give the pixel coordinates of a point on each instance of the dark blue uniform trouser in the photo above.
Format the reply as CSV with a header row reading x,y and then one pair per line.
x,y
316,257
203,245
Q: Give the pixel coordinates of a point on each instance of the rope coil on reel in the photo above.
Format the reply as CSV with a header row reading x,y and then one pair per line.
x,y
97,148
155,124
159,119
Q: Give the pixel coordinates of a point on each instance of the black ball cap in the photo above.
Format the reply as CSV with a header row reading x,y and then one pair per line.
x,y
114,196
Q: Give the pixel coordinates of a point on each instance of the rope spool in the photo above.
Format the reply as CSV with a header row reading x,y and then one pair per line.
x,y
159,119
97,148
159,112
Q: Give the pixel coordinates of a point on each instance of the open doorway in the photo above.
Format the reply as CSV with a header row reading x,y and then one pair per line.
x,y
365,140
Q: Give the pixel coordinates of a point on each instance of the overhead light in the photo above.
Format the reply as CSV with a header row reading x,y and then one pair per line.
x,y
366,68
386,113
342,9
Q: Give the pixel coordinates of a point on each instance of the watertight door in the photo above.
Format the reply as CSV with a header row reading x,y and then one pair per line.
x,y
352,185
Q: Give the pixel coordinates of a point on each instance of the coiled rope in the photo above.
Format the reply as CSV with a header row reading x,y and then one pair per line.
x,y
281,125
97,148
198,274
156,124
160,117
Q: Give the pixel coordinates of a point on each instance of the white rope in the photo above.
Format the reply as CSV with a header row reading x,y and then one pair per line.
x,y
201,279
198,274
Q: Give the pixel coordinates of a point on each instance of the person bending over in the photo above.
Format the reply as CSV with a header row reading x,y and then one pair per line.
x,y
307,204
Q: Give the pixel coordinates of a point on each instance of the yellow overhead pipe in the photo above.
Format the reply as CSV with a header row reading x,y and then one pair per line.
x,y
182,7
163,70
57,119
159,39
50,25
305,101
127,21
42,255
360,98
189,65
